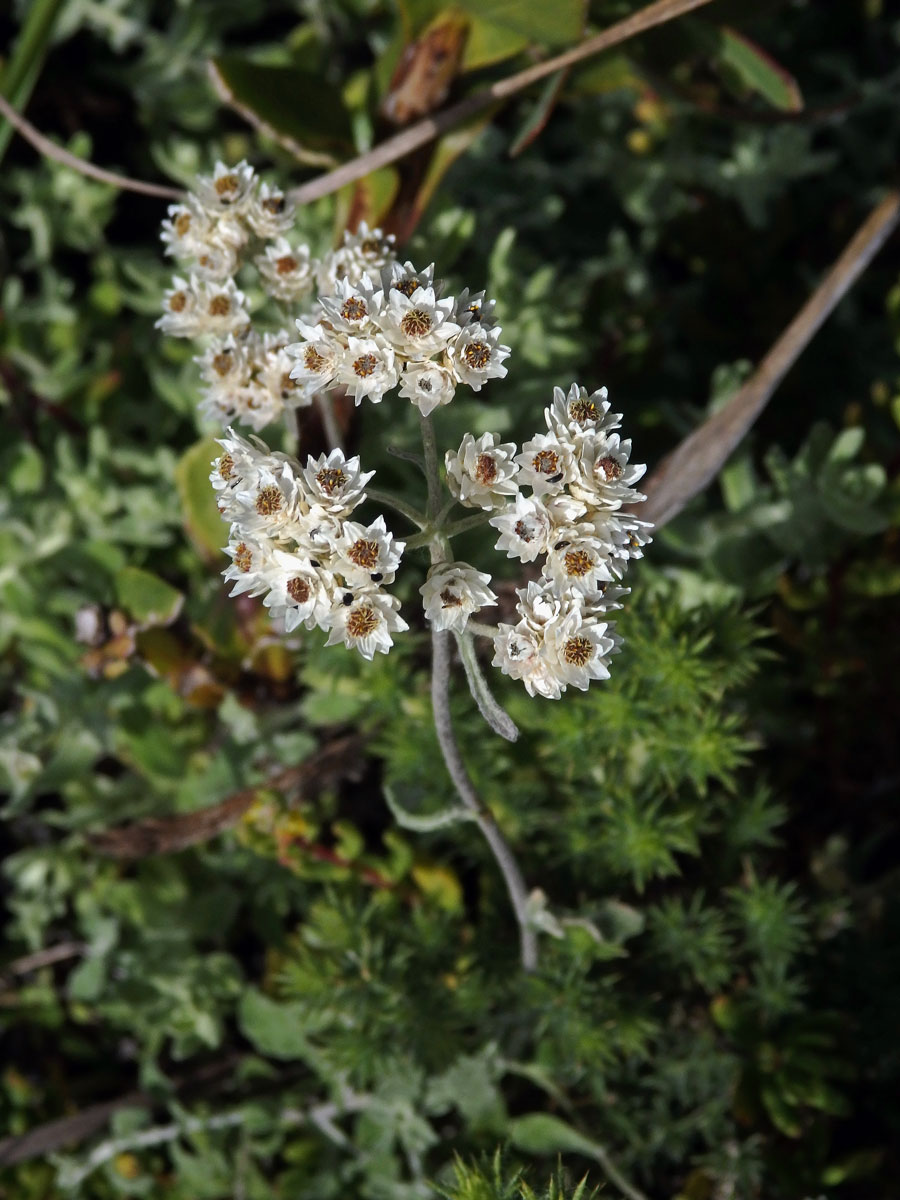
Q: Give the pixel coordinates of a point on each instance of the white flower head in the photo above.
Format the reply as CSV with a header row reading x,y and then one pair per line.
x,y
367,368
406,278
272,505
417,325
270,214
317,534
316,358
224,363
576,414
577,648
334,482
482,473
286,270
525,528
604,478
273,367
250,559
472,307
187,230
227,190
365,252
475,355
367,554
196,307
428,385
352,307
578,560
452,592
365,622
300,594
538,604
547,464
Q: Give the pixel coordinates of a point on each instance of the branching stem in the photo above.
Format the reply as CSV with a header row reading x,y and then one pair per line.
x,y
443,722
400,506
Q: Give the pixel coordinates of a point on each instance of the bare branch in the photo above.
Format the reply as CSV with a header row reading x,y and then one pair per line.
x,y
311,158
49,149
429,128
685,472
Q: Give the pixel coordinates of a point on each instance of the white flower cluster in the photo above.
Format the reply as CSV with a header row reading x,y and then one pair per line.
x,y
580,477
292,543
232,219
391,327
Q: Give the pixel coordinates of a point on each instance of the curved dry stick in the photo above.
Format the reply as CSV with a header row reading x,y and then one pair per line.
x,y
443,723
49,149
685,472
429,128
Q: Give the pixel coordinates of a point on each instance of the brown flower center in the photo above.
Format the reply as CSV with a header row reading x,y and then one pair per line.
x,y
354,309
583,411
362,621
546,462
298,589
268,501
371,247
226,184
523,531
407,286
274,204
365,365
330,479
578,563
219,306
178,301
416,323
225,467
485,469
286,264
313,360
364,554
610,468
243,557
222,362
450,599
477,355
287,384
182,223
578,651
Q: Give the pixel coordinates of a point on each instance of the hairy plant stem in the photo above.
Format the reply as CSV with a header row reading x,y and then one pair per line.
x,y
443,723
325,405
400,506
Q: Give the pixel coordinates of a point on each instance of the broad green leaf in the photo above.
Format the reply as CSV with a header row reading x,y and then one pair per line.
x,y
541,1133
755,69
547,24
202,520
488,43
299,110
146,597
274,1029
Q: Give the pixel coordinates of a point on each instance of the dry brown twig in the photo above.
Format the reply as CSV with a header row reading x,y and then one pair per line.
x,y
58,154
693,464
429,128
403,143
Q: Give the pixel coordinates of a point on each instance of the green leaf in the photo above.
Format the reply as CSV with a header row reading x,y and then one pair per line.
x,y
537,119
146,597
299,110
274,1029
540,1133
547,24
755,69
202,521
427,821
